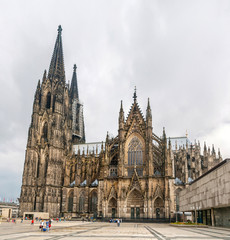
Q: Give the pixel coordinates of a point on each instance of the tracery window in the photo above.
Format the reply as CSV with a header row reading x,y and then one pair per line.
x,y
113,172
81,203
135,152
93,202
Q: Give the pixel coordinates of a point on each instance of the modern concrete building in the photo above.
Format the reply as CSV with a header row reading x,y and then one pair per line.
x,y
9,210
34,215
208,197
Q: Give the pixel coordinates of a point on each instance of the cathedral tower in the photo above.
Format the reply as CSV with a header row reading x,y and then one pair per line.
x,y
50,137
77,110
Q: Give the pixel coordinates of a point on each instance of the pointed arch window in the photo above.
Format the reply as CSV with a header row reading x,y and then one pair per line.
x,y
54,102
46,166
45,132
70,202
135,152
48,100
38,167
81,203
93,202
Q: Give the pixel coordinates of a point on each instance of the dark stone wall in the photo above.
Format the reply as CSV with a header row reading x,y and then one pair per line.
x,y
222,217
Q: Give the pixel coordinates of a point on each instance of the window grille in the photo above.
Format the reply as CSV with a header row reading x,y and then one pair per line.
x,y
135,152
113,172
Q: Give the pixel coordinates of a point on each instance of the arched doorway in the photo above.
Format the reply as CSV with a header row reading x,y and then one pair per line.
x,y
159,207
135,204
112,210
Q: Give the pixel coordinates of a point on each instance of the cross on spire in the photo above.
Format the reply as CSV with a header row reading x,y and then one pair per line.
x,y
74,67
135,94
59,29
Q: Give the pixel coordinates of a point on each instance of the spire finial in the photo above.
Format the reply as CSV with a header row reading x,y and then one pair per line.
x,y
148,103
44,76
148,111
107,136
164,135
135,94
186,134
74,67
121,109
59,29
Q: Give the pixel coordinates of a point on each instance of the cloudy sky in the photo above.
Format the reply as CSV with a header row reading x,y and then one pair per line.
x,y
177,53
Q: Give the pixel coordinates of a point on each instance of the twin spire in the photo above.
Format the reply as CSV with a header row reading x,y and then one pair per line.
x,y
74,87
56,69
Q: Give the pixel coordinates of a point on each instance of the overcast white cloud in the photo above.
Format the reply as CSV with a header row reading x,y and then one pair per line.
x,y
175,52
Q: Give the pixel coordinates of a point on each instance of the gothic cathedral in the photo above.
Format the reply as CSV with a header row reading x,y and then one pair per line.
x,y
136,175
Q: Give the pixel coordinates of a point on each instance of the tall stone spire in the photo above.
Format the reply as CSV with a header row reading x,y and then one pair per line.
x,y
78,126
74,88
56,69
121,122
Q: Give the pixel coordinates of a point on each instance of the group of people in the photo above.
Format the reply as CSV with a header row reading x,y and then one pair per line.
x,y
118,221
9,220
45,225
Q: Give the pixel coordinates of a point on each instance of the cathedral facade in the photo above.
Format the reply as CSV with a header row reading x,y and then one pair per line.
x,y
136,175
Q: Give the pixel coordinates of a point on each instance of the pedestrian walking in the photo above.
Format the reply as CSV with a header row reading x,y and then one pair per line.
x,y
118,222
42,225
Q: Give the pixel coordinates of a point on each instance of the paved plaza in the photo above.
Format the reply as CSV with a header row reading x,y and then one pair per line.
x,y
97,230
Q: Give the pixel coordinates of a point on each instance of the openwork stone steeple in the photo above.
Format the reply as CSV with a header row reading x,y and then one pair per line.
x,y
74,87
56,69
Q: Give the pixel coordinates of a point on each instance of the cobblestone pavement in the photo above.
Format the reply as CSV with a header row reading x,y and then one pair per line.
x,y
103,231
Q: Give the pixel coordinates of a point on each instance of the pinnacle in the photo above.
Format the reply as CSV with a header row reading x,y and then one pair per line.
x,y
121,109
148,111
38,86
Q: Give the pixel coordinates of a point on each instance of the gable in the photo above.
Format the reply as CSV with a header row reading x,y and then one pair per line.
x,y
135,121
